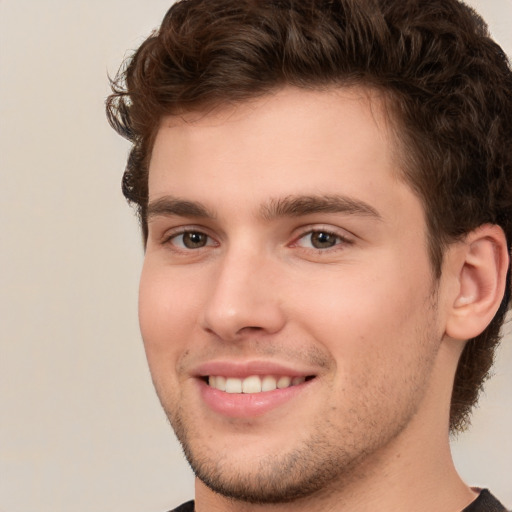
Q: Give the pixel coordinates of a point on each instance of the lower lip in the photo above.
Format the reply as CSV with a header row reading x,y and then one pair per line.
x,y
246,405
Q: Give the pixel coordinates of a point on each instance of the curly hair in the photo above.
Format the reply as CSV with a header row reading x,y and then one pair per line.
x,y
448,84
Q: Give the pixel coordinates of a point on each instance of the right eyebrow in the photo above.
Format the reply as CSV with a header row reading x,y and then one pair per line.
x,y
169,206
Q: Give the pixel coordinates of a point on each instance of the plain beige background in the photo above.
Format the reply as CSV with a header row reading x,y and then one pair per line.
x,y
80,427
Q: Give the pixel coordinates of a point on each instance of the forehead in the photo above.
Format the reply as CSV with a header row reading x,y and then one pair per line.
x,y
289,143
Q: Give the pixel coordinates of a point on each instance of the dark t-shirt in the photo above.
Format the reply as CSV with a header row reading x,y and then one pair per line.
x,y
485,502
186,507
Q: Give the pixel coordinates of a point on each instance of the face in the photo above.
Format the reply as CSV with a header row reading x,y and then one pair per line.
x,y
287,303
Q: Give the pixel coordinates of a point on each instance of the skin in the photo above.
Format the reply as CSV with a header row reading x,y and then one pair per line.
x,y
364,316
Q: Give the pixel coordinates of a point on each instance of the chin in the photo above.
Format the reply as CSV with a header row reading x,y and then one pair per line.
x,y
269,473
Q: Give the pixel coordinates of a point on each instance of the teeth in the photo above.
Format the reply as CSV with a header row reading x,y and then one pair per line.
x,y
253,384
220,383
297,380
268,383
233,385
283,382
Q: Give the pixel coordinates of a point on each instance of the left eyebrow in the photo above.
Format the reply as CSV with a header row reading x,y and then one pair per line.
x,y
297,206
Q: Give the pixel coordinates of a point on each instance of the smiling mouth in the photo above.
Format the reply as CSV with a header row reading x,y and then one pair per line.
x,y
253,383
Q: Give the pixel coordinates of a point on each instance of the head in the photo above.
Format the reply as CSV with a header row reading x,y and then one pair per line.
x,y
446,86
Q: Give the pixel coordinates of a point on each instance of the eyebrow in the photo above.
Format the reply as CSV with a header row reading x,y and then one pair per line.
x,y
169,206
297,206
290,206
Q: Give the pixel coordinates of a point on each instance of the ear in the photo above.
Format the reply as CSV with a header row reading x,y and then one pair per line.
x,y
481,265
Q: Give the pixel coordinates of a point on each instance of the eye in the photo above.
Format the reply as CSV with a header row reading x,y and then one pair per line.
x,y
320,239
191,240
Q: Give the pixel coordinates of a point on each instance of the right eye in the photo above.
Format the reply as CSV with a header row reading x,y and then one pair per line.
x,y
188,240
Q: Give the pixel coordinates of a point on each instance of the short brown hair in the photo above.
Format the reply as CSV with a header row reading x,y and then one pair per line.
x,y
449,84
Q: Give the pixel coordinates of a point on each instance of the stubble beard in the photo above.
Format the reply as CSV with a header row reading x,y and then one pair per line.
x,y
330,459
325,463
278,478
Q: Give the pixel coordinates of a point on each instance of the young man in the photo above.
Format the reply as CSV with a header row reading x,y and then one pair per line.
x,y
325,194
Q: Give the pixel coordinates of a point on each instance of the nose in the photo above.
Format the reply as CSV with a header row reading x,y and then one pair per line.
x,y
243,297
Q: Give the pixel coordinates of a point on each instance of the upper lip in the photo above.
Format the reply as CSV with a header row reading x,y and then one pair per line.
x,y
242,369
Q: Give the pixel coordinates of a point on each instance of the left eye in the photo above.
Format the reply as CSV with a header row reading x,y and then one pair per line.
x,y
320,240
191,240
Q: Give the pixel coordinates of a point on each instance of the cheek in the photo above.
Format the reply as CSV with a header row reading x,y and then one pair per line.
x,y
167,315
367,316
380,334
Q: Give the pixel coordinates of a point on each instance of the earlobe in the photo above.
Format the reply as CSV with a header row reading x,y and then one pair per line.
x,y
482,270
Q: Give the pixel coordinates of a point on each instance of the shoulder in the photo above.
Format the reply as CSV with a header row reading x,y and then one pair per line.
x,y
485,502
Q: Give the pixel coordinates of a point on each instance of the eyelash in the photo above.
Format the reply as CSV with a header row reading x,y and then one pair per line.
x,y
340,240
169,239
